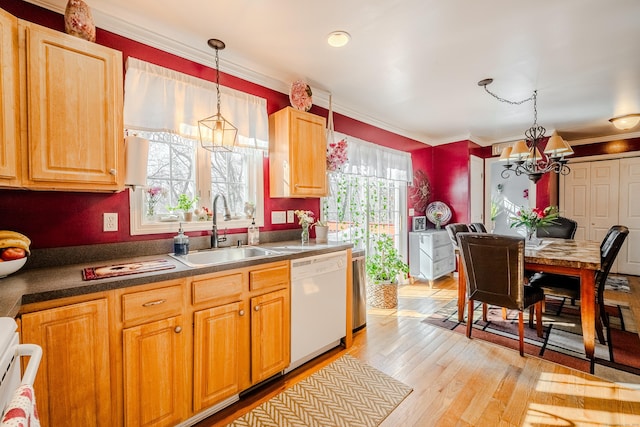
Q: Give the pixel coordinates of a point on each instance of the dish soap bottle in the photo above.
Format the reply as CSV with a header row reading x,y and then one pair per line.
x,y
253,233
181,243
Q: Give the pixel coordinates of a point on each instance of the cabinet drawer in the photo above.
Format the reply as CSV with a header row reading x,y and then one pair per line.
x,y
440,238
442,252
443,267
216,288
144,306
271,275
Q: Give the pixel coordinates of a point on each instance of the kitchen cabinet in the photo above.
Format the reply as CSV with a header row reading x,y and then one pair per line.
x,y
72,108
73,385
9,87
297,154
155,355
430,254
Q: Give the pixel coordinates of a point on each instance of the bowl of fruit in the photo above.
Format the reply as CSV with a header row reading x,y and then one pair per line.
x,y
14,250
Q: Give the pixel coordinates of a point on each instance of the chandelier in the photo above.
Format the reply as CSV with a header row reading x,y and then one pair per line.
x,y
524,157
216,133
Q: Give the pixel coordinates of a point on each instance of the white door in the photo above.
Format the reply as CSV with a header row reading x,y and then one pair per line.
x,y
576,198
476,187
605,188
629,256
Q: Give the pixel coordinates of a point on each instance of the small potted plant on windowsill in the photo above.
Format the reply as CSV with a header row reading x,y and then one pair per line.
x,y
383,267
186,204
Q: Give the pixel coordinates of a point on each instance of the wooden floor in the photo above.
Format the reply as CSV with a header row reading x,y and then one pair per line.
x,y
462,382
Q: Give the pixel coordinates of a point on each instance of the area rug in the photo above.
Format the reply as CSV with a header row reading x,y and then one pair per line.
x,y
617,283
345,393
562,338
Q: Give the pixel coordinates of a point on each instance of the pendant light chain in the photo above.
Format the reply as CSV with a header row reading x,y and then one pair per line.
x,y
218,79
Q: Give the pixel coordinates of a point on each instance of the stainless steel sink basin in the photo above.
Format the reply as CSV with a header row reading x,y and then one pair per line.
x,y
221,256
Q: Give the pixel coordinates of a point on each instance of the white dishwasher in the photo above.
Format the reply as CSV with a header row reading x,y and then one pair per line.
x,y
318,305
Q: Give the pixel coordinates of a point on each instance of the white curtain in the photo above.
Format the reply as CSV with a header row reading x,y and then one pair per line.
x,y
159,99
372,160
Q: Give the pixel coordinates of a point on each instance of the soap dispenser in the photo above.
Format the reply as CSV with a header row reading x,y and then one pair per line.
x,y
181,242
253,233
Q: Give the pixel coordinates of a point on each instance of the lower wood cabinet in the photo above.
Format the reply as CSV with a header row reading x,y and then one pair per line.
x,y
220,353
73,385
155,373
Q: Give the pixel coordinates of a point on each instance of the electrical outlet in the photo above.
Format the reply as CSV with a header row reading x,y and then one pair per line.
x,y
290,217
110,222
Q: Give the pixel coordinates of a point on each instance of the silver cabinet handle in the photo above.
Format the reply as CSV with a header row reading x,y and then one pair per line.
x,y
178,329
241,312
152,303
257,308
113,172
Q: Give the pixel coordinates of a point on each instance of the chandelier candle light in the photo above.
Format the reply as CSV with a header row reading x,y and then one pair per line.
x,y
216,133
524,157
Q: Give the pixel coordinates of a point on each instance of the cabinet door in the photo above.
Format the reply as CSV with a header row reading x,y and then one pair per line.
x,y
74,101
73,382
9,134
308,152
270,334
155,374
221,354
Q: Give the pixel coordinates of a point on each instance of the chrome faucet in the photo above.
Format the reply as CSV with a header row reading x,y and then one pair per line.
x,y
215,240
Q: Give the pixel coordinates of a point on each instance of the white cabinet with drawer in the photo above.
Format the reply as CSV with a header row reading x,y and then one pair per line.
x,y
430,254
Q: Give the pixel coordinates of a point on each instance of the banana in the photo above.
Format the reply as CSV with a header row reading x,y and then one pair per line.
x,y
13,239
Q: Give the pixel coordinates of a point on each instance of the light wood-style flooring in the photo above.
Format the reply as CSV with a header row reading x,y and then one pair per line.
x,y
462,382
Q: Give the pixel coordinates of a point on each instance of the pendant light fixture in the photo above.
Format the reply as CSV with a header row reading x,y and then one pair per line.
x,y
524,157
216,133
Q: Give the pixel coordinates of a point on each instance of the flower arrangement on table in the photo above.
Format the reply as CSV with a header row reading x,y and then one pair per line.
x,y
300,96
336,155
535,218
306,220
154,194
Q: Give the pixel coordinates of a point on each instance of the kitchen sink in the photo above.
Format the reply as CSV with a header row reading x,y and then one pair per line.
x,y
295,248
221,256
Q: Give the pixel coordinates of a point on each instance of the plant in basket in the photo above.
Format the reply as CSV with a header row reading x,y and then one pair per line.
x,y
382,267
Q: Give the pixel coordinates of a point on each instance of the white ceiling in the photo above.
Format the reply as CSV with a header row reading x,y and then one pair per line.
x,y
412,66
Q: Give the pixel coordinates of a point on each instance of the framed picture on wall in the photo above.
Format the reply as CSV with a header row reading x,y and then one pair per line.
x,y
419,223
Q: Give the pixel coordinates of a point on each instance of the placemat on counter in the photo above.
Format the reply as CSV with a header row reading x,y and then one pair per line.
x,y
93,273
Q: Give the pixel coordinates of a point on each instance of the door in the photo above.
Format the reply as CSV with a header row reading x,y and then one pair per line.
x,y
629,213
576,198
155,374
9,129
476,186
73,385
604,185
221,336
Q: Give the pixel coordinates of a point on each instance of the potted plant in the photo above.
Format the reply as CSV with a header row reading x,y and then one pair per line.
x,y
186,204
383,267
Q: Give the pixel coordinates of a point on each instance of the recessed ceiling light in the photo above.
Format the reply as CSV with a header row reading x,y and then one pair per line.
x,y
338,38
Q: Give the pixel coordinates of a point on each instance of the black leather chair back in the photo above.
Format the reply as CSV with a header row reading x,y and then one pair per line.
x,y
609,249
477,227
564,228
494,267
454,229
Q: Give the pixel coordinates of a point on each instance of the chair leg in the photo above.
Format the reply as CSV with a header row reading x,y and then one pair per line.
x,y
521,332
485,310
599,328
469,317
504,313
531,317
539,318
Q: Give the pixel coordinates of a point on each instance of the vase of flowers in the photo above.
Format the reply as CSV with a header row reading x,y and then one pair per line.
x,y
532,219
305,219
153,195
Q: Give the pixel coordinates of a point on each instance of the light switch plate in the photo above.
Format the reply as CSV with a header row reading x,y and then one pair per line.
x,y
412,212
110,222
278,217
289,217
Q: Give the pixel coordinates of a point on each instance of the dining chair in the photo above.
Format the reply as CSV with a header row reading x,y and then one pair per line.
x,y
494,270
569,287
477,227
562,228
453,230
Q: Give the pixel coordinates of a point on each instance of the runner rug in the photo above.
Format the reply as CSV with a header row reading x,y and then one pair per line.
x,y
345,393
562,339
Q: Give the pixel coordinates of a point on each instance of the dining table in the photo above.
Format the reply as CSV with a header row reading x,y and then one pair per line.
x,y
578,258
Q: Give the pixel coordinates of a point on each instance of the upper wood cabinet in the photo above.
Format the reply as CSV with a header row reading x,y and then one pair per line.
x,y
9,87
297,154
73,103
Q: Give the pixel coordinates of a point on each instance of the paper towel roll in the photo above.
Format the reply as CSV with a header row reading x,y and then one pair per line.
x,y
137,153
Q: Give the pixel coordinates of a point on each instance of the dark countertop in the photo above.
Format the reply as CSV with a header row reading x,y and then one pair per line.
x,y
44,284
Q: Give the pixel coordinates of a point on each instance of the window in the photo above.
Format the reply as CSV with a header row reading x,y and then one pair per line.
x,y
369,197
163,106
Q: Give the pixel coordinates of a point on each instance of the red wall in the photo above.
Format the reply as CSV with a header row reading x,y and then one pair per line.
x,y
54,219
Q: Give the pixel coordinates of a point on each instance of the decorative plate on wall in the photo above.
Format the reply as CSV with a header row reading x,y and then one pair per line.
x,y
438,213
421,191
